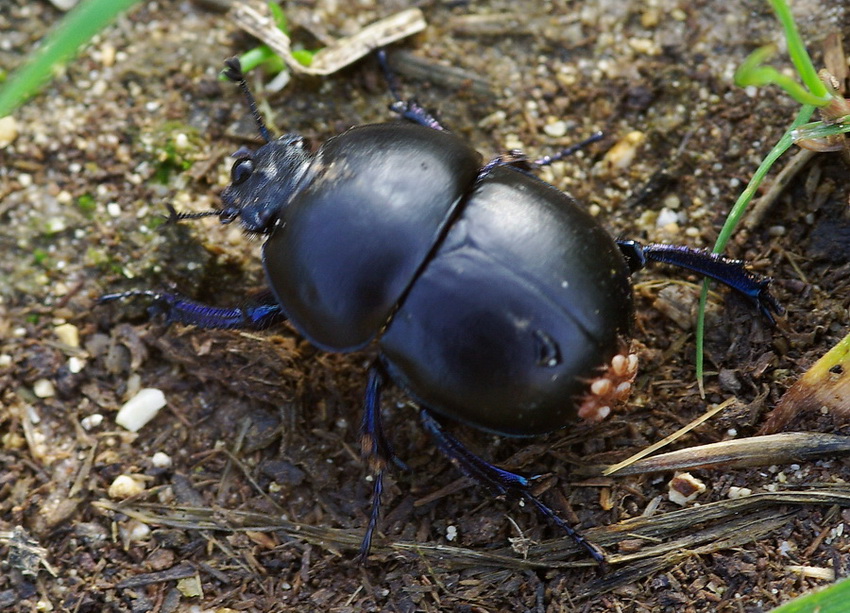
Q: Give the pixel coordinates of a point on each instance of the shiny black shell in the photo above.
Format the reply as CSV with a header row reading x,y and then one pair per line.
x,y
494,298
351,241
524,302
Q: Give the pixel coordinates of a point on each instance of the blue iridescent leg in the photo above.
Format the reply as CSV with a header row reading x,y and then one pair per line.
x,y
258,315
376,450
731,272
500,481
408,109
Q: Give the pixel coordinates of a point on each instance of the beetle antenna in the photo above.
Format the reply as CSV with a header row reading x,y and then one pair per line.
x,y
234,73
174,216
549,159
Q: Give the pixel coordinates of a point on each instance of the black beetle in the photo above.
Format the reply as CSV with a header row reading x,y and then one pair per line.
x,y
494,299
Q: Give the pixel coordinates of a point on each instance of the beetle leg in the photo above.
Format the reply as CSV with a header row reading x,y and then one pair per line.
x,y
408,109
376,449
500,481
754,287
264,313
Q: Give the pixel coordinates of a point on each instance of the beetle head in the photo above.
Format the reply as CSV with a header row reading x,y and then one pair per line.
x,y
263,181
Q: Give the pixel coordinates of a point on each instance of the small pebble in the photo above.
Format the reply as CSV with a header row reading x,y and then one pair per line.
x,y
622,154
92,421
684,488
556,129
125,486
140,409
739,492
75,364
451,533
68,334
161,460
8,131
43,388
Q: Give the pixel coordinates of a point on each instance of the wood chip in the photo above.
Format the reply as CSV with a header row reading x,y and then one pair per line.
x,y
256,19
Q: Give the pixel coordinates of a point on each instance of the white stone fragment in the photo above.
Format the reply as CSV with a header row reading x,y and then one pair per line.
x,y
43,388
161,460
140,409
125,486
92,421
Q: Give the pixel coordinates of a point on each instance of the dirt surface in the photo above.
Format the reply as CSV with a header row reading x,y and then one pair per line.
x,y
261,498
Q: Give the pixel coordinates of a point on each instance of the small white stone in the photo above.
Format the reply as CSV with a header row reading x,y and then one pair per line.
x,y
92,421
68,334
75,364
556,129
623,153
739,492
140,409
451,533
125,486
161,460
8,131
666,217
133,531
43,388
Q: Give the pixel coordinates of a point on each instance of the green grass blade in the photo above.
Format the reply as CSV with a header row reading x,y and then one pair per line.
x,y
737,213
834,599
797,50
75,29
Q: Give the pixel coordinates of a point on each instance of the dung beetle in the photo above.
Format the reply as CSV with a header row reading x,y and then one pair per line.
x,y
494,299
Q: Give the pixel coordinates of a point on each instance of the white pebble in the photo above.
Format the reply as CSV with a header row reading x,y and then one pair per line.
x,y
8,131
161,460
43,388
451,533
666,217
736,492
556,129
75,364
92,421
140,409
125,486
68,334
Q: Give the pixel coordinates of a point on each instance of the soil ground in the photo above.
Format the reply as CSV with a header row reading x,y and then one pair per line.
x,y
264,499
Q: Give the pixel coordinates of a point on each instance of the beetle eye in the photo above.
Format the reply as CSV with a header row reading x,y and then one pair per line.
x,y
241,170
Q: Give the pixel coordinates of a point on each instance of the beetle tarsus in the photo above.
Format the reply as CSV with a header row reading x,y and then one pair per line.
x,y
263,313
500,481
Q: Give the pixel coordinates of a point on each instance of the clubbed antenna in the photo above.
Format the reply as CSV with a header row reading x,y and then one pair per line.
x,y
234,73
